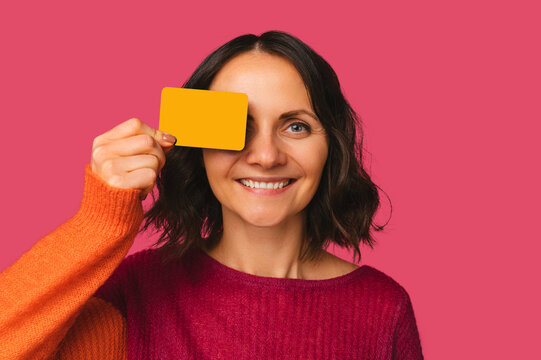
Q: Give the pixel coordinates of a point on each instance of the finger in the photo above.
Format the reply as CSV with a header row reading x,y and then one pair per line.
x,y
135,145
133,127
123,130
121,165
143,179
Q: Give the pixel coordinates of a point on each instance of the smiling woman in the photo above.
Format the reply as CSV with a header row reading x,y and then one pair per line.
x,y
242,271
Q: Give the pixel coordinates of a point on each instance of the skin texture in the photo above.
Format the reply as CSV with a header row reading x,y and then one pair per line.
x,y
262,234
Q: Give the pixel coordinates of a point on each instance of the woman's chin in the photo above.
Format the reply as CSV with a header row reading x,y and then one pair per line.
x,y
259,216
264,219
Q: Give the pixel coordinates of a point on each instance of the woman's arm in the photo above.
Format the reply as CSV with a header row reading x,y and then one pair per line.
x,y
407,343
99,332
44,291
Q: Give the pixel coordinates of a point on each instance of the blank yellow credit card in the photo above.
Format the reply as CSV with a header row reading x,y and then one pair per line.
x,y
204,118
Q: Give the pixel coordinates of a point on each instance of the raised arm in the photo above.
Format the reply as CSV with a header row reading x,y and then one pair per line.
x,y
44,291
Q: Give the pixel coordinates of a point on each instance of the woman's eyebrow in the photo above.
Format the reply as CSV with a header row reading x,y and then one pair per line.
x,y
298,112
292,113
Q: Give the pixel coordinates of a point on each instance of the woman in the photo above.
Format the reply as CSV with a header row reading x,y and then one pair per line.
x,y
242,271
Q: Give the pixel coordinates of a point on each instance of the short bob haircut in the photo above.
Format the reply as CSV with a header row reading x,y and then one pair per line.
x,y
342,209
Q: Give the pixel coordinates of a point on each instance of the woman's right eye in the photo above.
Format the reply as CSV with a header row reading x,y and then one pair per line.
x,y
297,127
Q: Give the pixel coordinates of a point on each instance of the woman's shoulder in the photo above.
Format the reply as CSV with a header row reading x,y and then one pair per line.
x,y
366,282
330,266
379,284
143,270
149,256
148,261
152,262
366,276
137,268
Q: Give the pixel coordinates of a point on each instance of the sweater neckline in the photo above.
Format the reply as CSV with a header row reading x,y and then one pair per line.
x,y
222,272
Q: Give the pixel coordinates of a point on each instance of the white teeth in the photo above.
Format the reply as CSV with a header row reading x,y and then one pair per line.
x,y
263,185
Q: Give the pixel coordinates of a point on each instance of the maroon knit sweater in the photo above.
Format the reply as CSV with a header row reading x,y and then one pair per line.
x,y
199,308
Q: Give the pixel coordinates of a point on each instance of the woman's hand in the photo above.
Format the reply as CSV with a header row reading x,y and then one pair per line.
x,y
131,155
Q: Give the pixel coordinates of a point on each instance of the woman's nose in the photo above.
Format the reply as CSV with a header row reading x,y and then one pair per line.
x,y
263,148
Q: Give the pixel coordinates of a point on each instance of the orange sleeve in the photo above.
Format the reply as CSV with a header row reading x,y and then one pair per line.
x,y
99,332
42,293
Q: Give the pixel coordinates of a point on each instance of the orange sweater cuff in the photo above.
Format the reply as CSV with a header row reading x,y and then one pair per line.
x,y
107,208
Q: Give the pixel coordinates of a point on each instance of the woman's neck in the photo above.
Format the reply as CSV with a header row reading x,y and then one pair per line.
x,y
264,251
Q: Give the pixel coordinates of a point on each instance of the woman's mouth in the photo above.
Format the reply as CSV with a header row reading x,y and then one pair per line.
x,y
269,185
266,187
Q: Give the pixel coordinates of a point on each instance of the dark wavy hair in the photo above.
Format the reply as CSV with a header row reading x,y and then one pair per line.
x,y
342,209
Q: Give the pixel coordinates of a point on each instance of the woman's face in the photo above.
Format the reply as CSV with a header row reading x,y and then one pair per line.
x,y
286,145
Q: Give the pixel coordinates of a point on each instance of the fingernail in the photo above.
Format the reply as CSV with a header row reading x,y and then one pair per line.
x,y
169,138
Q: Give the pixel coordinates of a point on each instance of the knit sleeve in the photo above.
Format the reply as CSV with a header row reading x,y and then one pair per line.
x,y
99,332
407,344
43,292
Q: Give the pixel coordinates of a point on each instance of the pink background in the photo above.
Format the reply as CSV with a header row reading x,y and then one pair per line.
x,y
449,93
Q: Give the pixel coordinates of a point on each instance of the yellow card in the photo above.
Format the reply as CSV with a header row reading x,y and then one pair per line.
x,y
204,118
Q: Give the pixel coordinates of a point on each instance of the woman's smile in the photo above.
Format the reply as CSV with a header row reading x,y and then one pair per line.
x,y
269,187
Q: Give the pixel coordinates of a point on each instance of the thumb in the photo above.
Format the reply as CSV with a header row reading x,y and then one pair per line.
x,y
165,139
